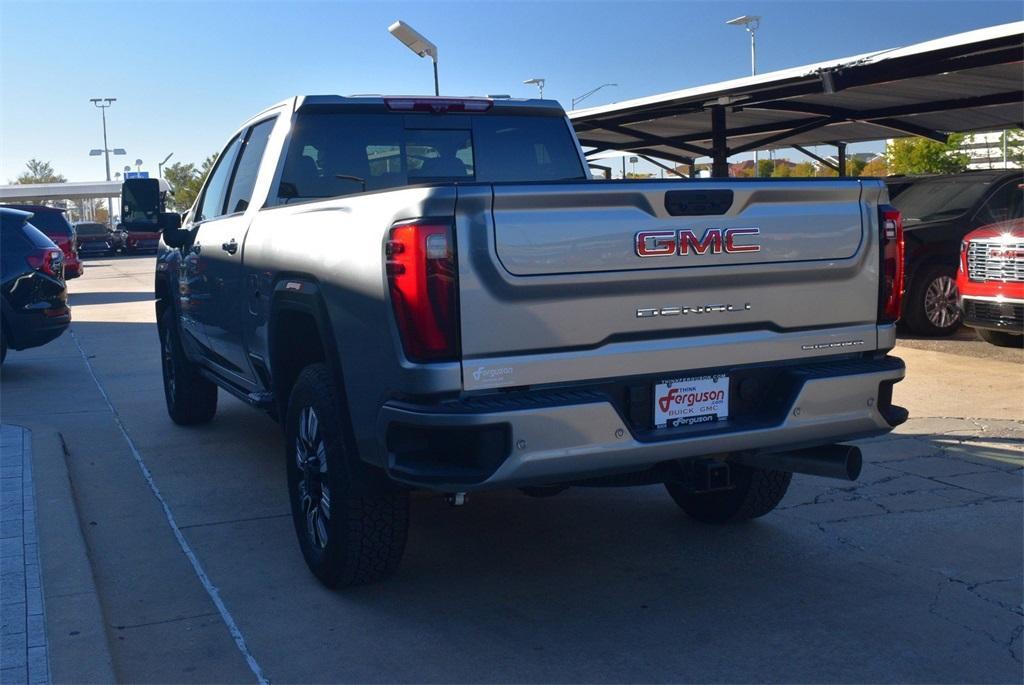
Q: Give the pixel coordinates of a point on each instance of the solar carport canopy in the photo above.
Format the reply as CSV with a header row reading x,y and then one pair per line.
x,y
967,82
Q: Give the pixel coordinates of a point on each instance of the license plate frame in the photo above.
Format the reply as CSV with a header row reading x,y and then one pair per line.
x,y
690,401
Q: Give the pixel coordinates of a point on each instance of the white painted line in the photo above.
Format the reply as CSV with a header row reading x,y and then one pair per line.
x,y
208,585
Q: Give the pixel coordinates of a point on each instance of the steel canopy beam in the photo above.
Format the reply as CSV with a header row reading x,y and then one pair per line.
x,y
815,157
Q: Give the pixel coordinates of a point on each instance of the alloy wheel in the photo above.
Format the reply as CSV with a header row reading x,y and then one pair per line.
x,y
313,489
940,302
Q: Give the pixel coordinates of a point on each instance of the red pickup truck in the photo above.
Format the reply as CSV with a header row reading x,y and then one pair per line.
x,y
991,282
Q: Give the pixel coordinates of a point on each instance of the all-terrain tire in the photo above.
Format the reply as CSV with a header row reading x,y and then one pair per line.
x,y
191,399
359,536
1000,338
756,492
930,307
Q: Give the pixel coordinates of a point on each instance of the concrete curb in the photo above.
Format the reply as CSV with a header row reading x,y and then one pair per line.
x,y
79,651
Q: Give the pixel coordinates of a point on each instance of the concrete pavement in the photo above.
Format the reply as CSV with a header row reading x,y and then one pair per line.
x,y
914,573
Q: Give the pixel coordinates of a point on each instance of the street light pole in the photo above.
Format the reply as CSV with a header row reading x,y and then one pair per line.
x,y
160,165
751,23
539,82
580,98
413,40
103,103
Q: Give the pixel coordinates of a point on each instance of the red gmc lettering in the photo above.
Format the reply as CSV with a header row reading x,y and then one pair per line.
x,y
685,242
712,241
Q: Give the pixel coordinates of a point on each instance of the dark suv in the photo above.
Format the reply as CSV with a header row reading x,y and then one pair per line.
x,y
32,291
52,222
938,211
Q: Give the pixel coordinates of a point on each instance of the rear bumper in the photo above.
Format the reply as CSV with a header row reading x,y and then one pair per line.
x,y
574,434
36,327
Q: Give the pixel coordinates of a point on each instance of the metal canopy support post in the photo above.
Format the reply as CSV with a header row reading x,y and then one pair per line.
x,y
841,147
719,149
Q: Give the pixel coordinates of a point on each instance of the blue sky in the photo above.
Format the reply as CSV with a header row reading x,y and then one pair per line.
x,y
187,73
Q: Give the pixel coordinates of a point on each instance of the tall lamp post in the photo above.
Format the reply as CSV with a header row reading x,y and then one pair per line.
x,y
160,165
539,82
103,103
413,40
580,98
750,22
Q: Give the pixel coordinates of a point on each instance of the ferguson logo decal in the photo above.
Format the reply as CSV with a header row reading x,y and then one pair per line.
x,y
493,374
685,242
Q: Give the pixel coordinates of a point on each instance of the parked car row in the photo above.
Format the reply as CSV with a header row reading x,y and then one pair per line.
x,y
52,223
33,293
938,213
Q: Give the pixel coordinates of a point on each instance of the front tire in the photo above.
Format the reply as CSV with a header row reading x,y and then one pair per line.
x,y
755,493
931,306
1000,338
351,527
191,399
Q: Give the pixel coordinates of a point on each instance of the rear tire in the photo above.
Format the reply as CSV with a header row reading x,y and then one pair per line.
x,y
351,525
191,399
931,308
756,492
1000,338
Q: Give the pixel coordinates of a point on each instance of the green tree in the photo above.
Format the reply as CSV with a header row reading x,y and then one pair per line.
x,y
855,167
40,172
876,167
782,171
925,156
803,169
186,181
765,167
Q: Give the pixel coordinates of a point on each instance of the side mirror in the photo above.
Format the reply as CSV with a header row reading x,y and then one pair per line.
x,y
168,221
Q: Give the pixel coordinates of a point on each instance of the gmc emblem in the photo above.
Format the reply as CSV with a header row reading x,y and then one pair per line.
x,y
714,241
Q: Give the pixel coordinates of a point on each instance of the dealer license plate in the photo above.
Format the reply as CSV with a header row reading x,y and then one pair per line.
x,y
689,401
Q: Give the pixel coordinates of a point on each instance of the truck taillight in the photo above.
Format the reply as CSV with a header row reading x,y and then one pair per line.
x,y
48,261
422,277
890,299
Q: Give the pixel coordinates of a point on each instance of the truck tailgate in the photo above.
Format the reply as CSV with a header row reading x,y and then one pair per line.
x,y
553,285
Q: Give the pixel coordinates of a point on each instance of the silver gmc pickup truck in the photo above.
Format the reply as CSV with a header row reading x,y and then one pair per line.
x,y
431,293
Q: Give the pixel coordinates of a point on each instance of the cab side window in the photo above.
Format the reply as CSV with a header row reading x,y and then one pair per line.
x,y
249,166
212,204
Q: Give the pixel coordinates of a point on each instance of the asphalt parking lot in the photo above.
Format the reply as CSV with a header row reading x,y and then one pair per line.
x,y
912,574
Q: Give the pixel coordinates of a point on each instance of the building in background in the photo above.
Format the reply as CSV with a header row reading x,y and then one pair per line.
x,y
991,150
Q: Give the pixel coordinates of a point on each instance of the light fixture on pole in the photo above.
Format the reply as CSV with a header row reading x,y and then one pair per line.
x,y
103,103
750,22
412,39
539,82
160,166
138,165
580,98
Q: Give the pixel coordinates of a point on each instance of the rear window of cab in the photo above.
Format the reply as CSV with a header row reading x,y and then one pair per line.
x,y
333,154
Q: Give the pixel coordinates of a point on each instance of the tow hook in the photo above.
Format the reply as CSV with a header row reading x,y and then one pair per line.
x,y
456,499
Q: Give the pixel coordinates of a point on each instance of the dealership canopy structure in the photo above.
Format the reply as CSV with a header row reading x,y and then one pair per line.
x,y
966,82
78,190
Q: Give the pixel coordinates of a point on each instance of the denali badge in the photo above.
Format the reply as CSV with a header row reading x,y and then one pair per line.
x,y
714,240
699,309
